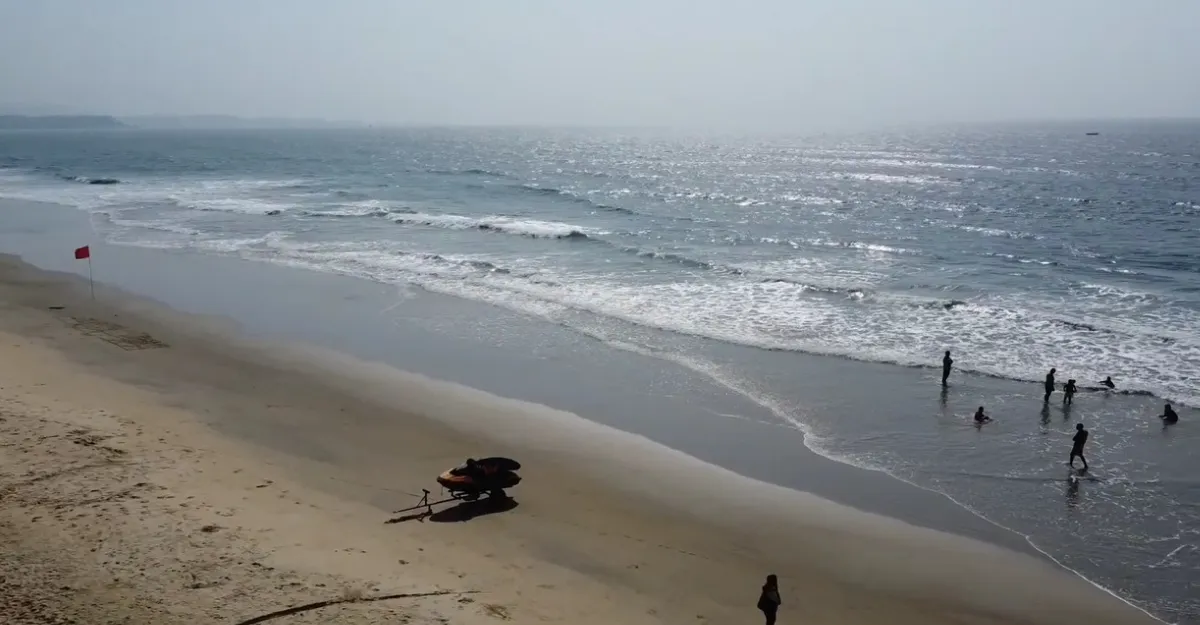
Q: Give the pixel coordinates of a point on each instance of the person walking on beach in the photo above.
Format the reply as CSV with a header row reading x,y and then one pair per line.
x,y
1049,385
946,362
1069,391
768,600
1081,436
1169,416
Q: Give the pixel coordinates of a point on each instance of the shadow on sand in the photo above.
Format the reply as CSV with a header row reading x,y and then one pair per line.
x,y
464,511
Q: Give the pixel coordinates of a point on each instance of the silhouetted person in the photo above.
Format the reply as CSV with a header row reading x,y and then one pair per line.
x,y
1168,416
1069,391
1049,385
947,361
1081,436
769,600
474,470
1108,383
980,417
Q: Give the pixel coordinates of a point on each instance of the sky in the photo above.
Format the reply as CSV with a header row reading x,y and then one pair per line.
x,y
785,64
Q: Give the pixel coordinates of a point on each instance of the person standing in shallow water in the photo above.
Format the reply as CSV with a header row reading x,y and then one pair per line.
x,y
1069,391
1077,442
1049,385
946,362
768,600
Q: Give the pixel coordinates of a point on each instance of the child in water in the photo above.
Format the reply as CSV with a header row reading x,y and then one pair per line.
x,y
1069,391
981,418
1169,416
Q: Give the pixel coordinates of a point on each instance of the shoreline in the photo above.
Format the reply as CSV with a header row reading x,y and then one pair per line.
x,y
774,512
1027,539
143,273
829,475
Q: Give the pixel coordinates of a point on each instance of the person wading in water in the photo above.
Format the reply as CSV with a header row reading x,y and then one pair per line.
x,y
1069,390
1077,443
1049,385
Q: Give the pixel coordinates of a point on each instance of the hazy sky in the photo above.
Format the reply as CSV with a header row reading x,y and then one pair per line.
x,y
760,63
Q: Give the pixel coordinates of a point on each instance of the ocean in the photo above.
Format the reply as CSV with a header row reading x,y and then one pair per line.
x,y
1018,248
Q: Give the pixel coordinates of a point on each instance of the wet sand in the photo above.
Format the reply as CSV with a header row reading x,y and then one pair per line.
x,y
501,352
138,485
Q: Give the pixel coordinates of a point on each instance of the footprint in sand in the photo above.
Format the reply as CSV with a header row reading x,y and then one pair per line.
x,y
497,611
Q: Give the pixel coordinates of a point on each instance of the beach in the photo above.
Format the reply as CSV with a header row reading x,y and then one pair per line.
x,y
159,469
736,338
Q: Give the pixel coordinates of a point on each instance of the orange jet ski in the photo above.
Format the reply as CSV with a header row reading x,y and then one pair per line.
x,y
474,478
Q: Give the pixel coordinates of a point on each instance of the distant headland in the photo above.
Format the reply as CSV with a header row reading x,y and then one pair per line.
x,y
23,121
229,122
59,122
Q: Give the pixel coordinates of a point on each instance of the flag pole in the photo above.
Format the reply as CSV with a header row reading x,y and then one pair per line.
x,y
91,280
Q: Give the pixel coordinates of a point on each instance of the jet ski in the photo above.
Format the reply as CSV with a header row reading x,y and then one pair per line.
x,y
474,478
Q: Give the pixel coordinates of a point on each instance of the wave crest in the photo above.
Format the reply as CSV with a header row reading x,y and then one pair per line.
x,y
87,180
508,225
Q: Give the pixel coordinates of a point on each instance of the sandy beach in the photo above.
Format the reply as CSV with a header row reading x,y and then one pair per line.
x,y
156,468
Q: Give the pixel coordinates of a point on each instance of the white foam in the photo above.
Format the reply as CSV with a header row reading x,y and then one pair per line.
x,y
239,245
1097,332
788,414
1100,330
821,273
896,179
995,232
245,206
856,245
219,187
812,200
229,195
512,225
161,225
87,197
365,208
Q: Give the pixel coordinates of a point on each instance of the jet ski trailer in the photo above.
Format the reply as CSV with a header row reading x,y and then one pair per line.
x,y
475,478
472,480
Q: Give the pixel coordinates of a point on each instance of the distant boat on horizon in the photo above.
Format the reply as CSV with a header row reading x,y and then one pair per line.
x,y
1092,134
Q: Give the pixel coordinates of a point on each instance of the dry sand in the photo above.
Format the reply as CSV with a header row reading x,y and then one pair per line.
x,y
154,469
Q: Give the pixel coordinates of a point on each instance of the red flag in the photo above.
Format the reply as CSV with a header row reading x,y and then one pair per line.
x,y
82,253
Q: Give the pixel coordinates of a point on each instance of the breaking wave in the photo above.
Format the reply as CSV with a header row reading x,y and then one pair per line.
x,y
244,206
366,208
508,225
86,180
573,197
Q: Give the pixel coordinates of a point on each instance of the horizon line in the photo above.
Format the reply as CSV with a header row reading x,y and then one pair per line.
x,y
830,127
